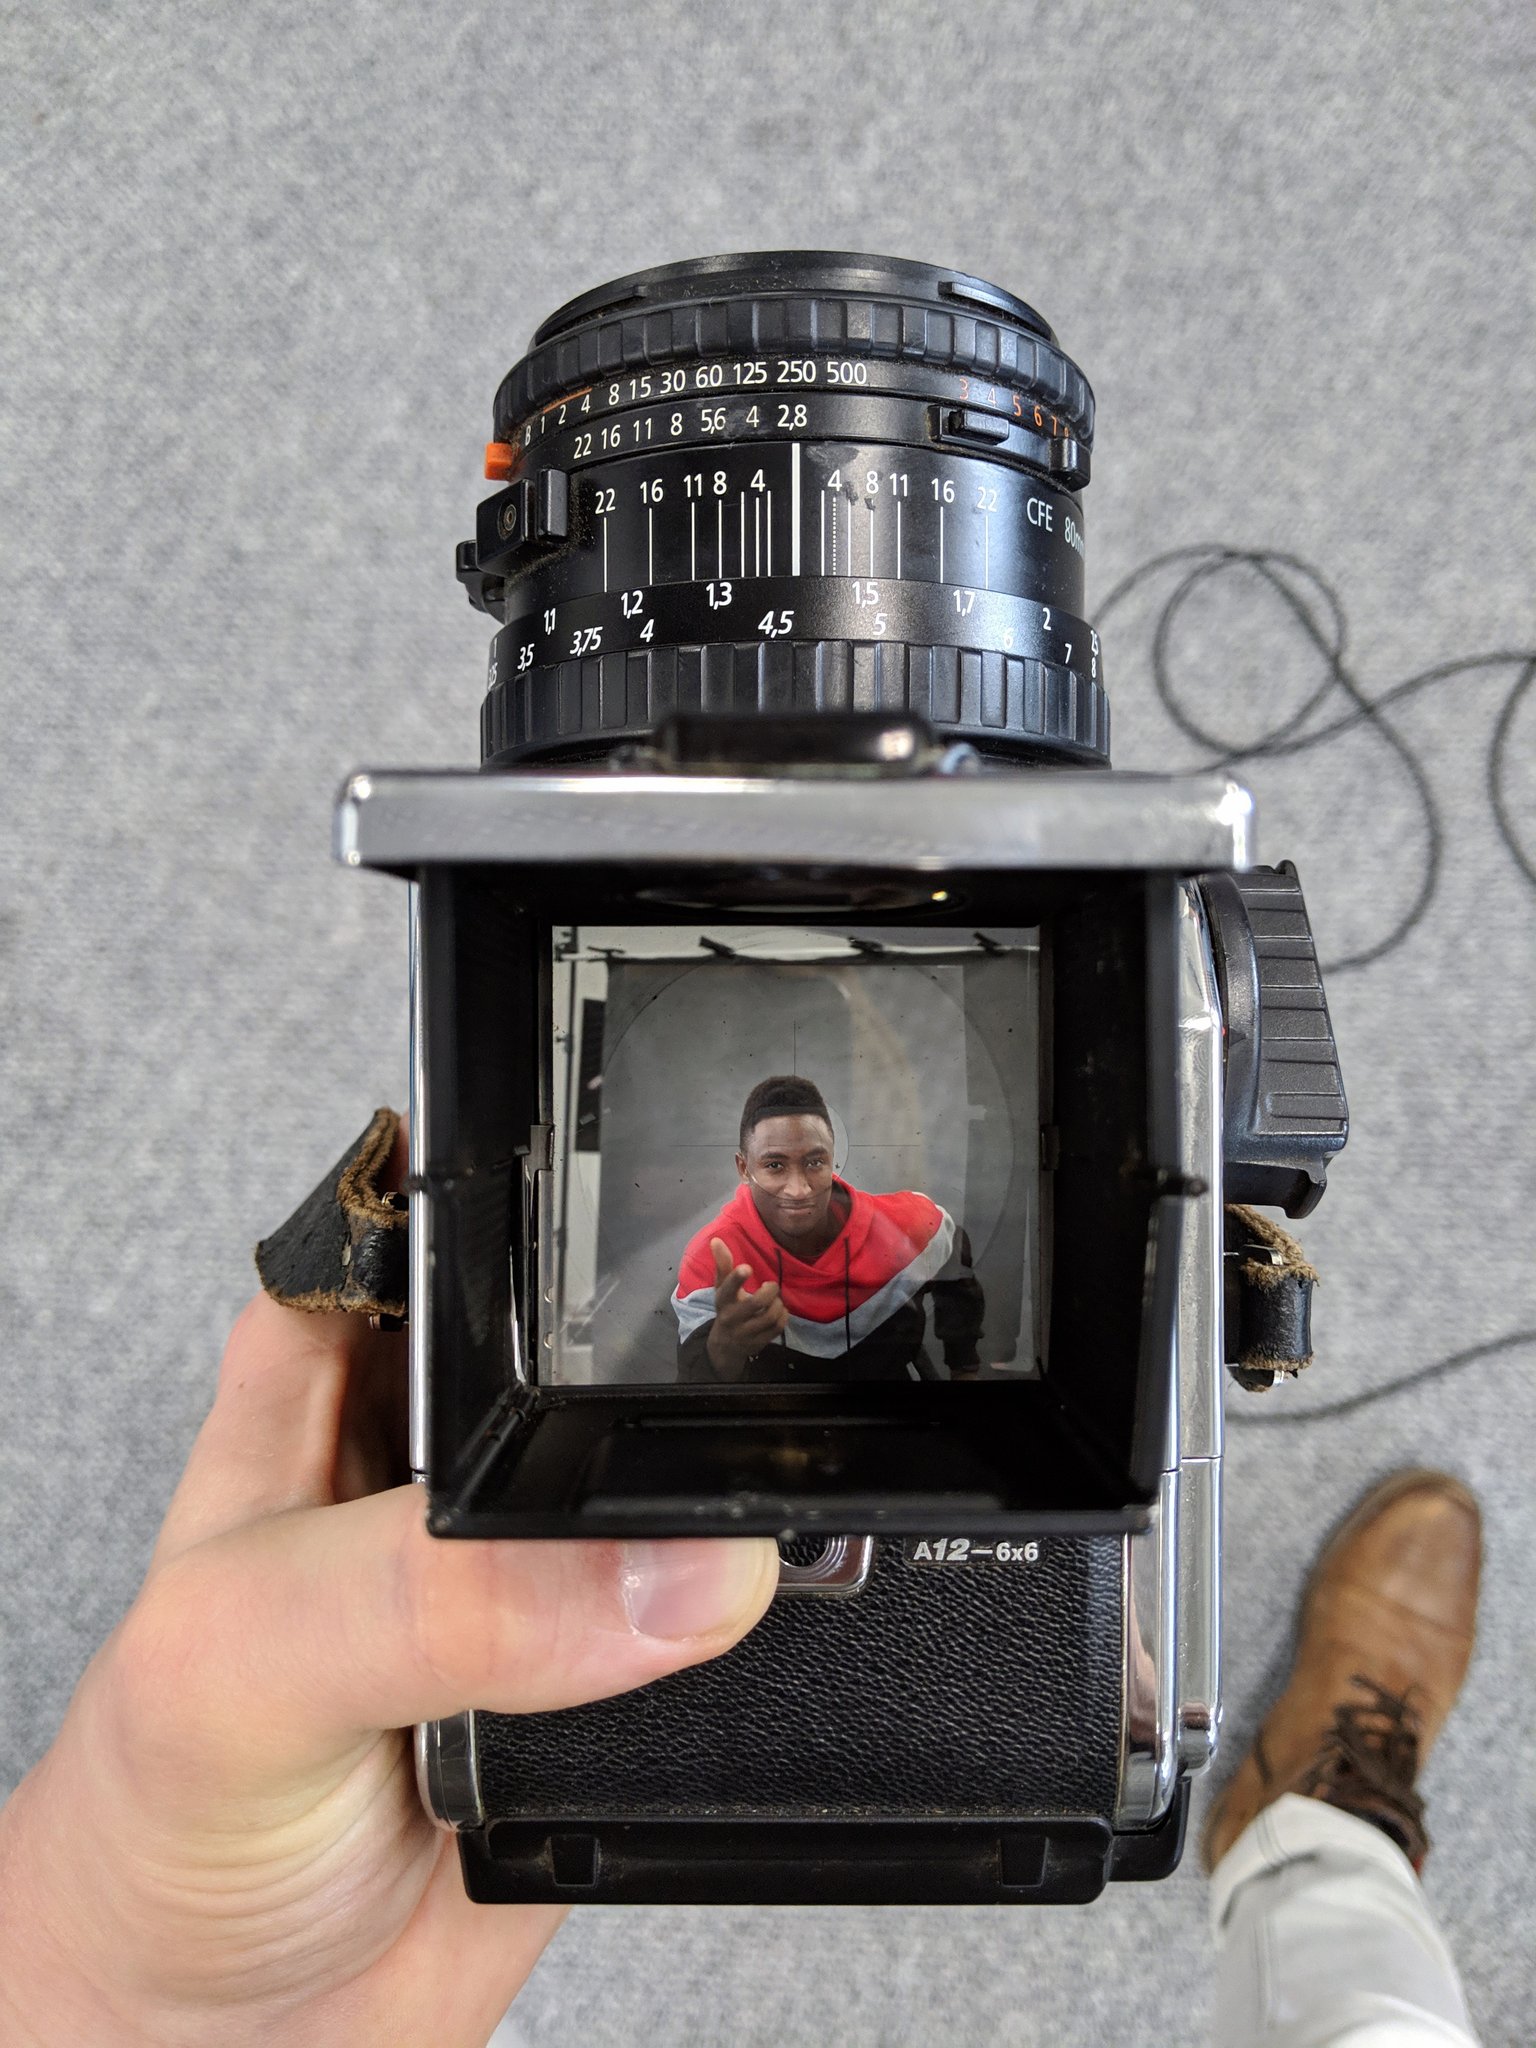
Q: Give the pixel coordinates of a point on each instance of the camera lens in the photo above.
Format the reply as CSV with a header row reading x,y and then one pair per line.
x,y
790,482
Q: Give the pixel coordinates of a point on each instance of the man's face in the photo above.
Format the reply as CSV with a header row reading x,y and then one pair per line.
x,y
788,1166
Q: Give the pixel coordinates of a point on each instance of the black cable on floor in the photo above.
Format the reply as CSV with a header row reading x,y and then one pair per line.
x,y
1440,1369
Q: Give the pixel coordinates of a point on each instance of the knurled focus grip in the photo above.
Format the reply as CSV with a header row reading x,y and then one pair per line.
x,y
852,325
580,705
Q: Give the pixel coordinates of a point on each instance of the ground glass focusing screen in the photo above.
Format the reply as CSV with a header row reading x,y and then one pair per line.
x,y
900,1228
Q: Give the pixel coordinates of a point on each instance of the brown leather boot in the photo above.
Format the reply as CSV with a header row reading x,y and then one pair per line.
x,y
1387,1626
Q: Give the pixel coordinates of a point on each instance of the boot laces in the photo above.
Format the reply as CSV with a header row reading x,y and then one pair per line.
x,y
1368,1762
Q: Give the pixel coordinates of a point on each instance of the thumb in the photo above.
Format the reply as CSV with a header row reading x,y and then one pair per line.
x,y
724,1263
294,1637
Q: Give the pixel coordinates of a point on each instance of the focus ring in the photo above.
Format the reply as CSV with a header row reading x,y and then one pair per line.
x,y
581,707
892,329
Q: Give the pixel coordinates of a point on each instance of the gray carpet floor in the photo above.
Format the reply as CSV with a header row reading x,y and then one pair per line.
x,y
263,268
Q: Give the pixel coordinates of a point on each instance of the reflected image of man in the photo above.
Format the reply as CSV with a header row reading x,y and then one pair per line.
x,y
802,1276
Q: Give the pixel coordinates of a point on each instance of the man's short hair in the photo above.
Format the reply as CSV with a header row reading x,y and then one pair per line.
x,y
783,1095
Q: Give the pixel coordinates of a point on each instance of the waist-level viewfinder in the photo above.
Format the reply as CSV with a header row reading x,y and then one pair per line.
x,y
858,1033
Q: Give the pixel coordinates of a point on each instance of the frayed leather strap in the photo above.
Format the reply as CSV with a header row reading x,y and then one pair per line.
x,y
1274,1282
345,1245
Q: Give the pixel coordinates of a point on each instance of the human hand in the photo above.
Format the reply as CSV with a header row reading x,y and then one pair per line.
x,y
745,1319
225,1844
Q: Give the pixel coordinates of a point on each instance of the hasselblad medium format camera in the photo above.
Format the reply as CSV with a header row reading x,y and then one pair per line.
x,y
840,1105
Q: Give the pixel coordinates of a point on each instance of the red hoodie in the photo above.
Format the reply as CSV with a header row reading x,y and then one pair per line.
x,y
860,1296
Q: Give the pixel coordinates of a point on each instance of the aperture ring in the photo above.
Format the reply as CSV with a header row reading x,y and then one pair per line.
x,y
788,327
1000,702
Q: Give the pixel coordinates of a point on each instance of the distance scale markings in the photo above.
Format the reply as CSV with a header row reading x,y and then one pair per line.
x,y
785,607
812,540
862,541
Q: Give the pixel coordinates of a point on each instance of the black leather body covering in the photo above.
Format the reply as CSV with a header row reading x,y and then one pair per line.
x,y
936,1690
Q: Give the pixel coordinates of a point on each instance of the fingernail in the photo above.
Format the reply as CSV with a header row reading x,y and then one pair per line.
x,y
690,1586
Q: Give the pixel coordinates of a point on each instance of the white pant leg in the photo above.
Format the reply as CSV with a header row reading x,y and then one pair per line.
x,y
1324,1939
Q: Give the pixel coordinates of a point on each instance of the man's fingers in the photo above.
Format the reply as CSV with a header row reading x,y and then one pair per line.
x,y
765,1301
728,1290
743,1301
276,1648
757,1315
772,1316
720,1251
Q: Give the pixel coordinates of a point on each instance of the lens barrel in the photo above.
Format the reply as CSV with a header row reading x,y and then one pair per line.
x,y
790,482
